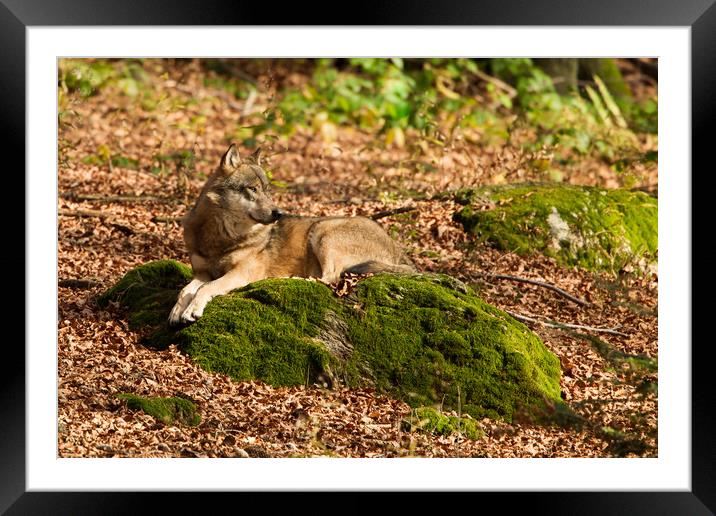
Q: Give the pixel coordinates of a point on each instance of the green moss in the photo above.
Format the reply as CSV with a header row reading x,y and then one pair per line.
x,y
167,410
148,290
266,331
425,342
427,419
593,228
149,293
425,339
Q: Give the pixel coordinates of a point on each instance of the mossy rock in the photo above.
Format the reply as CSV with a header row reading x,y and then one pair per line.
x,y
167,410
148,290
593,228
428,419
425,339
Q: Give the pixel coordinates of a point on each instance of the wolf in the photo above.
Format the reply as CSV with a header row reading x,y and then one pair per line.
x,y
236,235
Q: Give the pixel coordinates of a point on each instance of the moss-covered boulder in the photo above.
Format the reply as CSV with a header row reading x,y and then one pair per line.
x,y
593,228
169,411
422,338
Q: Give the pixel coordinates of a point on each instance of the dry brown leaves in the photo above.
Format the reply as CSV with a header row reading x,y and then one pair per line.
x,y
98,356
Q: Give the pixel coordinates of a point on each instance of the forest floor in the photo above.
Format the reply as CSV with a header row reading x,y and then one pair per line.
x,y
120,196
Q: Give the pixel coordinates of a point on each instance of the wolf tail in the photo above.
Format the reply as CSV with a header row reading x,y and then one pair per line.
x,y
373,266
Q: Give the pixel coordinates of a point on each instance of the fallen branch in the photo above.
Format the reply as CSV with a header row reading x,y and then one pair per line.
x,y
159,218
388,213
115,198
544,284
84,283
561,326
83,213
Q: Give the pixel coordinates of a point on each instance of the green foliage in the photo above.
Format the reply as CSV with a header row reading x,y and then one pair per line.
x,y
436,96
593,123
105,156
167,410
423,339
593,228
86,77
83,77
643,117
372,93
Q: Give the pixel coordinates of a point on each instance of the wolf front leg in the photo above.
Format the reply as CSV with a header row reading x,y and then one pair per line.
x,y
185,297
206,292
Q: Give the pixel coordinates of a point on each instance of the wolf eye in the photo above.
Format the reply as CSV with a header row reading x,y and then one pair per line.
x,y
252,189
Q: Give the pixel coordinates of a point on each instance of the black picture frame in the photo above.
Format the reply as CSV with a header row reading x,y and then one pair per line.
x,y
17,15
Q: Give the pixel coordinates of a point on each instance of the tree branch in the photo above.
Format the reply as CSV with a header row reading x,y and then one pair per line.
x,y
388,213
115,198
542,284
83,283
159,218
561,326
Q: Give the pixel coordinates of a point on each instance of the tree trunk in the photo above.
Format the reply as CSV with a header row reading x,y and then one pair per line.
x,y
562,71
565,72
609,72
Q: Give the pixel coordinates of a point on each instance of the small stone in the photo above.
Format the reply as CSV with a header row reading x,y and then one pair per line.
x,y
257,452
241,453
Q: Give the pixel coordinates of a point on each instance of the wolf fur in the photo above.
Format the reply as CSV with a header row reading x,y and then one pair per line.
x,y
236,235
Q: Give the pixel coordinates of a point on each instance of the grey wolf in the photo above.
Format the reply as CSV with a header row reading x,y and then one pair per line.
x,y
236,235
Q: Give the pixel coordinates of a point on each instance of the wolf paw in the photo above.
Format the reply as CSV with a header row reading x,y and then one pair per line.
x,y
176,313
193,312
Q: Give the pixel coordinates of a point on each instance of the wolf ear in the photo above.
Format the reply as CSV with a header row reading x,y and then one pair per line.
x,y
231,159
256,156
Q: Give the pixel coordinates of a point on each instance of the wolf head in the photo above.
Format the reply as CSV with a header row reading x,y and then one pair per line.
x,y
242,188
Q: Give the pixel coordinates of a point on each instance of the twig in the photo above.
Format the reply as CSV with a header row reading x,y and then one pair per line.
x,y
77,283
83,213
511,92
388,213
542,284
159,218
115,198
353,200
560,326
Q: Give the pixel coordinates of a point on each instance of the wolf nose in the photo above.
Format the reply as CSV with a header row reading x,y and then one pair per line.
x,y
276,214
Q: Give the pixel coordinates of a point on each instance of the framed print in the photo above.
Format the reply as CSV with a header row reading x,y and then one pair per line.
x,y
264,122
